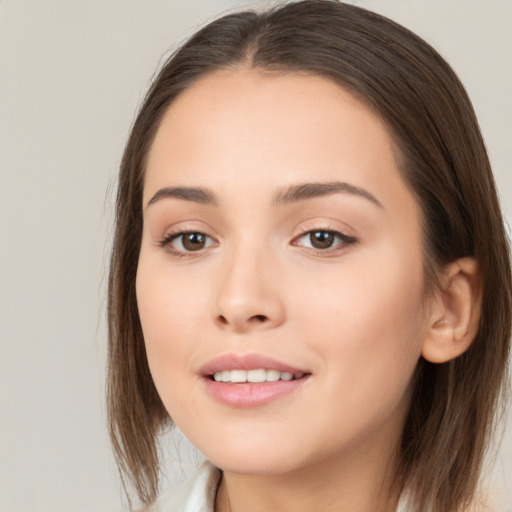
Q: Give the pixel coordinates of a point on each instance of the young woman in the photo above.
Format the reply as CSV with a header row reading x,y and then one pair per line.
x,y
310,274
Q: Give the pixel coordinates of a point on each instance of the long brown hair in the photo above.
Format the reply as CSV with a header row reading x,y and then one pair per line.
x,y
442,158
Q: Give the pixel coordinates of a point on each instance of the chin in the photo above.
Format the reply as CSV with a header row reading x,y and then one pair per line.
x,y
252,457
257,465
265,457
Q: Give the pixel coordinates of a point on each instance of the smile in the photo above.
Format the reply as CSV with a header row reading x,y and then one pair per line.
x,y
254,376
245,381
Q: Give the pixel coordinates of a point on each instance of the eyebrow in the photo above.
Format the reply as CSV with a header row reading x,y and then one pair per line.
x,y
314,190
295,193
194,194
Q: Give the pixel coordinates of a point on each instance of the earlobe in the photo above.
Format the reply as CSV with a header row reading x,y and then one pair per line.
x,y
455,312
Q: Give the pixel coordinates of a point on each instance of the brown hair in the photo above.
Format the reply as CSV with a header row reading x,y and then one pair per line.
x,y
442,158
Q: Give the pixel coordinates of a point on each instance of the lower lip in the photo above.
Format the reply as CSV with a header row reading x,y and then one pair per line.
x,y
248,395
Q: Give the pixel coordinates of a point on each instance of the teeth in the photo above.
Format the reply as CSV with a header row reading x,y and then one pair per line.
x,y
256,376
238,376
259,375
273,375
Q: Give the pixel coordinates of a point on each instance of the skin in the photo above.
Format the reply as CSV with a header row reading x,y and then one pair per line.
x,y
354,316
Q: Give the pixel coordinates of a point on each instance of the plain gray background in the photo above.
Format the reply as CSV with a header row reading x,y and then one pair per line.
x,y
71,76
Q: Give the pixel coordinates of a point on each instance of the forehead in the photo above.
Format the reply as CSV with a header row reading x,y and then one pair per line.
x,y
248,129
272,109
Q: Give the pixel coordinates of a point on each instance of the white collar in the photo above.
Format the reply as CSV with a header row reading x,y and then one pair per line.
x,y
197,494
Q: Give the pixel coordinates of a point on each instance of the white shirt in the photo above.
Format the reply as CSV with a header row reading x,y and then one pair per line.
x,y
198,493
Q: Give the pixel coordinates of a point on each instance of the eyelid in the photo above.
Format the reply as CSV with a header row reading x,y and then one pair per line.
x,y
165,233
170,237
345,240
166,241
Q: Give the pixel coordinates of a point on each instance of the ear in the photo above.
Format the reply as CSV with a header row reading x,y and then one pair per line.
x,y
454,312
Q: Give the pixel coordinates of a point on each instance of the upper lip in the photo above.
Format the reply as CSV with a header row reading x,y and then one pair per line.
x,y
246,362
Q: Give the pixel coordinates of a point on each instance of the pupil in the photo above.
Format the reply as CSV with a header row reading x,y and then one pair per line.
x,y
193,241
322,239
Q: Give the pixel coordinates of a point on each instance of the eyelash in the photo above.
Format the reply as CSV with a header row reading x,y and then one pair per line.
x,y
344,241
166,243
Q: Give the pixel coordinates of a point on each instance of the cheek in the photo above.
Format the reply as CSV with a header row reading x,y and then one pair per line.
x,y
169,310
369,323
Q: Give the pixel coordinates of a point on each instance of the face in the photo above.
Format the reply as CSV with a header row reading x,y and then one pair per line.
x,y
280,282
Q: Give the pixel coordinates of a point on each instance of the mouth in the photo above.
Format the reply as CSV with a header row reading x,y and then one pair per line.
x,y
254,376
251,380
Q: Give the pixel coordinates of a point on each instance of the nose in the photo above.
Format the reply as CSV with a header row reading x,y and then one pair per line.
x,y
249,295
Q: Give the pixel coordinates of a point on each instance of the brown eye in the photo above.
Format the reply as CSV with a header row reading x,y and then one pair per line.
x,y
322,239
191,241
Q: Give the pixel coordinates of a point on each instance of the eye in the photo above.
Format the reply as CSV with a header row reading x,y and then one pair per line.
x,y
190,241
323,239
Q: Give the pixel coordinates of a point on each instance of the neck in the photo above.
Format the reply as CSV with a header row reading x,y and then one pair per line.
x,y
355,483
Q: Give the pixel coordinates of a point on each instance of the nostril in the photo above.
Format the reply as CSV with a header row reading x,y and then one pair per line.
x,y
242,321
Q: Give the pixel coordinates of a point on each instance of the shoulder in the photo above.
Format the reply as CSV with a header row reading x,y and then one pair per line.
x,y
197,494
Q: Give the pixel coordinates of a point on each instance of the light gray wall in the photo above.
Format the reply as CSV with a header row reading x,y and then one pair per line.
x,y
71,75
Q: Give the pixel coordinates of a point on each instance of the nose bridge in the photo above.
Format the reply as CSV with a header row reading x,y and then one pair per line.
x,y
248,294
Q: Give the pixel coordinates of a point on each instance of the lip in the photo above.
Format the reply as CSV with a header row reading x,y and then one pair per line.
x,y
249,395
246,362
